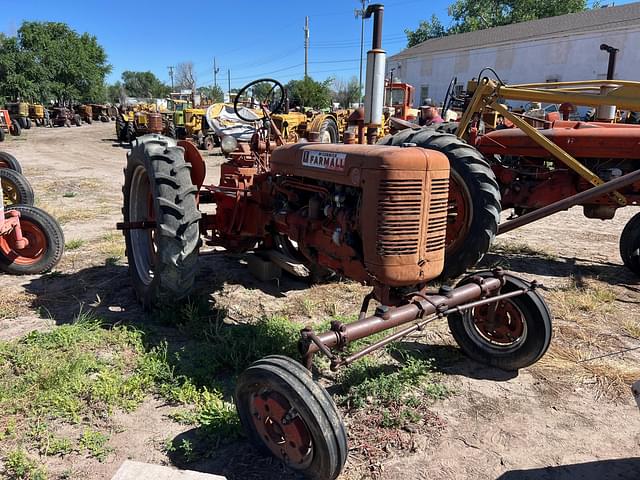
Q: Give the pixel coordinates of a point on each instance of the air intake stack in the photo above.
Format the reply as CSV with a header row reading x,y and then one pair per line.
x,y
376,60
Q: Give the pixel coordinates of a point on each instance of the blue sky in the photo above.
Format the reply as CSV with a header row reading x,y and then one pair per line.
x,y
251,38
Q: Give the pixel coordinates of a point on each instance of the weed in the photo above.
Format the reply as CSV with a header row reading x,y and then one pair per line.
x,y
398,394
18,466
74,244
69,194
95,443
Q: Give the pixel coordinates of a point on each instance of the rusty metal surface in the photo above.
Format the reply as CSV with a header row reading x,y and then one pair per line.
x,y
404,193
569,202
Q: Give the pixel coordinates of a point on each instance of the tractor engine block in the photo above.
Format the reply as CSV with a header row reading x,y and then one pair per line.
x,y
375,214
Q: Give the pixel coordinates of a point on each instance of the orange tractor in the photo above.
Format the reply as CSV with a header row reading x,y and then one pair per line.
x,y
376,214
31,241
8,125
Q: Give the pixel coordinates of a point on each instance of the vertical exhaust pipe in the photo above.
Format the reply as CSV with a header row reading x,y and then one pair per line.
x,y
376,65
607,113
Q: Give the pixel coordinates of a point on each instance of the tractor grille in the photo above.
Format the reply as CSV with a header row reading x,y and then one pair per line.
x,y
437,224
399,207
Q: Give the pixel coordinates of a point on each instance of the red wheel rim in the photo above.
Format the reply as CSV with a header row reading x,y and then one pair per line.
x,y
30,255
459,214
281,429
507,325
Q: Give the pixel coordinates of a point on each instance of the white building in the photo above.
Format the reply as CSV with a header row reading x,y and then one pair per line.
x,y
560,48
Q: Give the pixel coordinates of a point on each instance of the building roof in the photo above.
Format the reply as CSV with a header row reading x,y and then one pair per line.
x,y
597,19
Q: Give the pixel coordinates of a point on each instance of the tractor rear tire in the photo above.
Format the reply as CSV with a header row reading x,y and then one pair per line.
x,y
129,133
46,244
475,186
67,123
23,123
1,134
104,119
120,124
630,244
157,187
89,121
329,131
9,161
171,130
15,129
16,189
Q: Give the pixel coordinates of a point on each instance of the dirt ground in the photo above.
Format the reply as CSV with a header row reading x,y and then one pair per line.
x,y
570,416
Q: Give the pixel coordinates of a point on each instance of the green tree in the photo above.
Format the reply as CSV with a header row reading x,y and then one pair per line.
x,y
471,15
213,93
115,93
346,93
426,29
309,93
143,85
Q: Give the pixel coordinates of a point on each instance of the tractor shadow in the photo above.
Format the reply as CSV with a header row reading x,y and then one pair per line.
x,y
563,267
620,468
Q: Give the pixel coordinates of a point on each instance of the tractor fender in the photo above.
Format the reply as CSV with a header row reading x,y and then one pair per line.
x,y
193,157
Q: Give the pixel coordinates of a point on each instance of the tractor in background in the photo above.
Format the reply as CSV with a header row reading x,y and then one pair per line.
x,y
100,113
31,240
542,164
85,112
62,116
8,126
37,115
19,111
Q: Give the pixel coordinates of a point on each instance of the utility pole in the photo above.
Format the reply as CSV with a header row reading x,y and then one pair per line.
x,y
229,82
360,13
306,46
215,72
171,75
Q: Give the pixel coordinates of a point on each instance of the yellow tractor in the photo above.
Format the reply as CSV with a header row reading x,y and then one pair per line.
x,y
324,127
36,114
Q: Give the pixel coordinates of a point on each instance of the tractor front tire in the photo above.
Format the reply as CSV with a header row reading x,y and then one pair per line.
x,y
23,123
16,189
474,198
158,188
1,134
630,244
9,161
15,129
77,120
28,123
45,248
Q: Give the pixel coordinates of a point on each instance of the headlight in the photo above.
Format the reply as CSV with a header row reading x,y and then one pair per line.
x,y
228,144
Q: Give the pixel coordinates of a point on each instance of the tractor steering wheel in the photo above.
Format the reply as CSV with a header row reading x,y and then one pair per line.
x,y
449,95
265,93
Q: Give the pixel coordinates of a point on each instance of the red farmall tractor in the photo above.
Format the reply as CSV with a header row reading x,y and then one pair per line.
x,y
543,166
375,214
31,241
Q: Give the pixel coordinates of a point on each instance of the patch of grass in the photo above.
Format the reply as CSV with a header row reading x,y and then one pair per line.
x,y
69,194
606,376
112,245
574,300
74,244
18,466
14,304
397,395
95,443
520,249
632,327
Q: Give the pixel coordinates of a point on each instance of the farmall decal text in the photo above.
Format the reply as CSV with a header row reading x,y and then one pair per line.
x,y
324,160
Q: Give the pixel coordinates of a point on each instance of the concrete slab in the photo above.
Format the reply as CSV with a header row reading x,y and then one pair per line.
x,y
130,470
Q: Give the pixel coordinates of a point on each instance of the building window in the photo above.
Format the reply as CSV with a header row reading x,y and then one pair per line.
x,y
424,93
